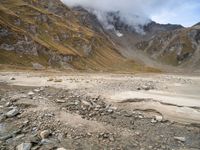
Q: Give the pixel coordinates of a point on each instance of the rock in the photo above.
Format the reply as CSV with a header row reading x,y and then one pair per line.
x,y
137,133
16,97
110,110
58,80
61,149
50,79
44,134
2,117
8,104
181,139
60,101
24,146
111,138
86,103
12,113
31,93
36,90
153,120
140,117
38,66
12,78
3,99
147,88
158,118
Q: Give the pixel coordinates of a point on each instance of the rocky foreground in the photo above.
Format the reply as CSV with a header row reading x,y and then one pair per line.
x,y
74,112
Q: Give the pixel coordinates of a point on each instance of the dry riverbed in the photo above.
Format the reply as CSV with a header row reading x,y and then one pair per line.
x,y
99,111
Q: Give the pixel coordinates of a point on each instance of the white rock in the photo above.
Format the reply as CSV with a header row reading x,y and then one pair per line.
x,y
36,90
60,101
24,146
44,134
61,149
86,103
31,93
12,112
182,139
153,120
159,118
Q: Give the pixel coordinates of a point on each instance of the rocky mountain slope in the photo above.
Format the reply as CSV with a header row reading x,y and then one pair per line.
x,y
45,34
179,47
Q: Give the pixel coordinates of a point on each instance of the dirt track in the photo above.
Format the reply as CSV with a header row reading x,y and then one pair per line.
x,y
95,111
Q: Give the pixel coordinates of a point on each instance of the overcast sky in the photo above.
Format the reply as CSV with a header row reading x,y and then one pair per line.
x,y
185,12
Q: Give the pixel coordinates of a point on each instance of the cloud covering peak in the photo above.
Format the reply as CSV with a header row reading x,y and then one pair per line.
x,y
185,12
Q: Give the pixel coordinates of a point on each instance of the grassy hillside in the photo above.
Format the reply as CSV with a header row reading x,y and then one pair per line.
x,y
47,32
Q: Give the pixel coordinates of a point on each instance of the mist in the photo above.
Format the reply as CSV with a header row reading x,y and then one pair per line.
x,y
137,13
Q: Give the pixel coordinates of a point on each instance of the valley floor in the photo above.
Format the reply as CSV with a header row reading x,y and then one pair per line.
x,y
99,111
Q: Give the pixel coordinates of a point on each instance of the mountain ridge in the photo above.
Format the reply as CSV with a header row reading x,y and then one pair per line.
x,y
52,35
36,31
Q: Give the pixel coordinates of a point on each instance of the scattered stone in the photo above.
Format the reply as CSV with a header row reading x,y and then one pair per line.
x,y
110,110
8,104
44,134
158,118
12,113
58,80
31,93
147,88
111,138
2,117
12,78
181,139
16,97
38,66
24,146
153,120
137,133
61,149
3,99
36,90
140,117
60,101
86,103
50,79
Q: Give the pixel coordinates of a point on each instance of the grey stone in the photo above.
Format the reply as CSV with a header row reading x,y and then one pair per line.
x,y
38,66
12,113
17,97
58,80
44,134
12,78
60,101
181,139
24,146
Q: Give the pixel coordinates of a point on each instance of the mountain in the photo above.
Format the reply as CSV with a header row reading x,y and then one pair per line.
x,y
48,34
197,24
180,47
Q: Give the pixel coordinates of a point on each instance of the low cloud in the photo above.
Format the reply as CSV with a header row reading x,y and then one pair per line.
x,y
136,12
